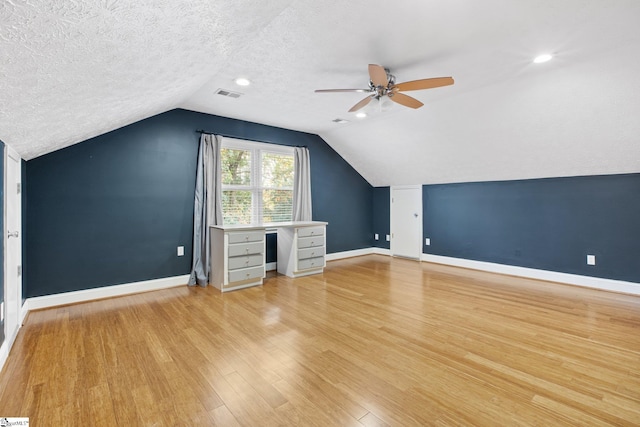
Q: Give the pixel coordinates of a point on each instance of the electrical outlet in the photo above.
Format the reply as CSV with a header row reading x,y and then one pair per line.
x,y
180,250
591,260
376,236
388,238
427,241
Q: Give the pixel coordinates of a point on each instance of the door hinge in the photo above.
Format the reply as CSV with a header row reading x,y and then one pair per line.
x,y
18,187
19,270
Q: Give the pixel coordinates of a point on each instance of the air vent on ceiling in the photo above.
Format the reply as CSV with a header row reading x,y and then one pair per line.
x,y
229,93
341,121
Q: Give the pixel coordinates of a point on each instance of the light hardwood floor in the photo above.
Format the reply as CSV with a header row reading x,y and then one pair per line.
x,y
372,341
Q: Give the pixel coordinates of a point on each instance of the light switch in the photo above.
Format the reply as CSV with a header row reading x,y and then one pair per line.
x,y
180,250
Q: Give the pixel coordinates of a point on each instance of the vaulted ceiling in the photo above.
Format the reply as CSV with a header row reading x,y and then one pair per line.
x,y
73,69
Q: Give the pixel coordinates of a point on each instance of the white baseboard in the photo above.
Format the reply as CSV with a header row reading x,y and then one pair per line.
x,y
23,313
348,254
47,301
381,251
5,348
270,266
532,273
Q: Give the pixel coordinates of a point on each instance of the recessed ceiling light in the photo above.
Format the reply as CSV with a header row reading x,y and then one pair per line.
x,y
241,81
542,58
361,115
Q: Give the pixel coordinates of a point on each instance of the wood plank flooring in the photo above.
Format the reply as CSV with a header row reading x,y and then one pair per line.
x,y
373,341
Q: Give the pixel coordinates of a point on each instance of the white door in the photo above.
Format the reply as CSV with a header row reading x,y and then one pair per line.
x,y
406,221
13,245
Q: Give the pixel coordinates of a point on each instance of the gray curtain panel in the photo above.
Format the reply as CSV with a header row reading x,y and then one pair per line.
x,y
207,207
302,185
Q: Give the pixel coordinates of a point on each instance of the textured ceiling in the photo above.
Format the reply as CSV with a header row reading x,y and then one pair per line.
x,y
70,70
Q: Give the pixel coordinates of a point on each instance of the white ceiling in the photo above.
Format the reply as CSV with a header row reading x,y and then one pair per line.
x,y
72,69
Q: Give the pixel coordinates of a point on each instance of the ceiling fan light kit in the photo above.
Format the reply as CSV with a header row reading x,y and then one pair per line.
x,y
382,87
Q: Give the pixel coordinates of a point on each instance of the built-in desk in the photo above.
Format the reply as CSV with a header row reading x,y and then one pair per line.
x,y
238,252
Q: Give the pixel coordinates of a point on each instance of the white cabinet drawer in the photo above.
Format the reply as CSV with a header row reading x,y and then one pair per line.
x,y
246,274
246,236
245,261
309,242
301,248
311,253
246,248
306,264
310,231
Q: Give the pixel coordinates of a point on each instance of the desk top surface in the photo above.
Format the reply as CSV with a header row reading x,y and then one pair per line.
x,y
264,225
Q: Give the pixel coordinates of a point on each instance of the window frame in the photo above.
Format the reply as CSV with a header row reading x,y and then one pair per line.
x,y
257,149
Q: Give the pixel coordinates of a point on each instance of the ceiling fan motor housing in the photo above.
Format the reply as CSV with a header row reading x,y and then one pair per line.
x,y
380,91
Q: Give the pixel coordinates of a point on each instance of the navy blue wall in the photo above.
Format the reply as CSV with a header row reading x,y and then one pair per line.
x,y
549,224
113,209
272,247
381,215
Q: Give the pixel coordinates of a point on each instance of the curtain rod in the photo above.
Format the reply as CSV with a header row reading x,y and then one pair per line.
x,y
241,137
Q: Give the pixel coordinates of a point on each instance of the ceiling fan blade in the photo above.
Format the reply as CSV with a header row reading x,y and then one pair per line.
x,y
361,104
378,75
424,83
405,100
341,90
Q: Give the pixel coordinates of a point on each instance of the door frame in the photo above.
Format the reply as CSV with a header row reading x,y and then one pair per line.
x,y
420,213
10,336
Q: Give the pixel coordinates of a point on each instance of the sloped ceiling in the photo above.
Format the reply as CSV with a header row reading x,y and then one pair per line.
x,y
71,70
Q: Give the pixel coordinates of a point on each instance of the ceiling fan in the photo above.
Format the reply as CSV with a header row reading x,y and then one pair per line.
x,y
382,83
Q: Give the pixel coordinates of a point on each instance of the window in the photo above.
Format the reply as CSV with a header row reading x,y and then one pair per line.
x,y
257,182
